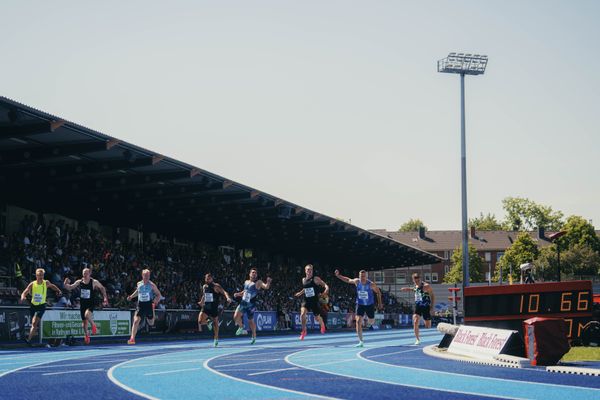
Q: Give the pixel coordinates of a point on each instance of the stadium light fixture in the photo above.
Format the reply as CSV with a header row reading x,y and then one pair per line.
x,y
463,64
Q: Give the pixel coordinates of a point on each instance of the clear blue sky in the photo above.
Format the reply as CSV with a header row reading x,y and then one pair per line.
x,y
334,105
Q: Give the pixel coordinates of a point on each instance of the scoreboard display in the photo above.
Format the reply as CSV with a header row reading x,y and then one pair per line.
x,y
506,307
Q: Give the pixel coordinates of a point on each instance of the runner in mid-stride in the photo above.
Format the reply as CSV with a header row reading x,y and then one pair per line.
x,y
211,292
248,304
148,298
38,290
311,284
424,301
87,301
365,301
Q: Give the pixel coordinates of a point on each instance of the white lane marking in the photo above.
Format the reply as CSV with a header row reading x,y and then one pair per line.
x,y
74,371
260,384
272,371
162,363
395,352
172,371
76,364
486,378
387,382
247,362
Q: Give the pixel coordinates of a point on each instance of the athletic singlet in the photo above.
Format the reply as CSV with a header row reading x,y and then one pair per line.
x,y
311,289
38,293
250,292
211,298
86,290
364,294
422,298
145,292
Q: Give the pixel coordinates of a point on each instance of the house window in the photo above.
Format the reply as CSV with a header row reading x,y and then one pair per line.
x,y
446,269
427,277
434,277
499,255
400,279
488,256
378,277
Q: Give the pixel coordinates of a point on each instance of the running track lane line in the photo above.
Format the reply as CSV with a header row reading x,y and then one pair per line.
x,y
262,385
204,381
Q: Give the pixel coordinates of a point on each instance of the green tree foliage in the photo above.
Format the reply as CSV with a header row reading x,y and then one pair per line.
x,y
526,215
579,232
455,275
523,250
486,222
412,225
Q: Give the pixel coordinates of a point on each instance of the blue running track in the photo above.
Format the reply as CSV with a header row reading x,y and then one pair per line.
x,y
283,367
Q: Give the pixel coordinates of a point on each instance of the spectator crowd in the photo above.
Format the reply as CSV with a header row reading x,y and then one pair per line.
x,y
178,269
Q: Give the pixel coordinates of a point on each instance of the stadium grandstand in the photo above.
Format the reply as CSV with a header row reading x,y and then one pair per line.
x,y
74,198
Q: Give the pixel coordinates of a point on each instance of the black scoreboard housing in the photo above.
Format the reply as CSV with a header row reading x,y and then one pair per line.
x,y
506,307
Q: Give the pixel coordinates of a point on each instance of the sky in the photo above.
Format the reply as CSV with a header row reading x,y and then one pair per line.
x,y
333,105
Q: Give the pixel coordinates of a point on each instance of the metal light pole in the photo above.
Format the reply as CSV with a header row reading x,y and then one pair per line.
x,y
463,64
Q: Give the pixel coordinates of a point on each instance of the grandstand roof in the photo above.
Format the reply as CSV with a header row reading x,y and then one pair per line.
x,y
51,165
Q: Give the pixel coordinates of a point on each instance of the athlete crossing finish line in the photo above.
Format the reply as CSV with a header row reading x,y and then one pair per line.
x,y
424,302
248,304
87,300
209,304
364,300
310,302
148,298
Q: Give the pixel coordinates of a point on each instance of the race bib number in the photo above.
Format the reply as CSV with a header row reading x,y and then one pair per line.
x,y
208,297
309,292
144,296
37,298
85,293
363,295
246,297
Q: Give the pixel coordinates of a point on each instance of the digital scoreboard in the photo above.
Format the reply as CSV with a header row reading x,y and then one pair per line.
x,y
506,307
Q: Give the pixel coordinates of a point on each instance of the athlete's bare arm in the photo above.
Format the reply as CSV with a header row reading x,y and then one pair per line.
x,y
26,292
97,285
132,295
300,293
157,294
377,291
265,286
322,283
54,287
73,286
219,289
345,278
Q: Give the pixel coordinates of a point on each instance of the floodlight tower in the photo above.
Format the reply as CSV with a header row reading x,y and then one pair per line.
x,y
463,64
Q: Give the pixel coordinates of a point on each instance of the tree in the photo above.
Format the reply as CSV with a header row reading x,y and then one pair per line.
x,y
523,250
579,232
486,223
526,215
580,260
455,275
412,225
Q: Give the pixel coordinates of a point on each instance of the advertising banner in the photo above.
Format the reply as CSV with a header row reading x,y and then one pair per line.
x,y
15,323
264,320
479,342
58,324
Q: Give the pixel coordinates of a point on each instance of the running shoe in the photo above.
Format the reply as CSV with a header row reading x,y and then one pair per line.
x,y
302,335
360,344
323,328
253,340
417,342
131,341
216,343
94,329
86,339
241,331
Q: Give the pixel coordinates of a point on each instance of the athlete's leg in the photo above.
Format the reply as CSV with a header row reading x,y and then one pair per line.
x,y
252,327
237,317
89,315
359,322
303,317
134,327
416,320
34,324
201,320
216,327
